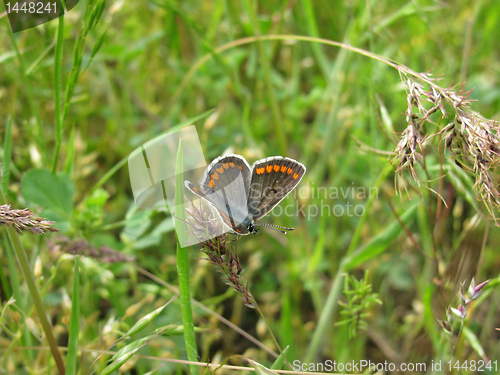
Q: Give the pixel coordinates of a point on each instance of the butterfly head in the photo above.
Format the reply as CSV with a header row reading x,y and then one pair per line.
x,y
252,228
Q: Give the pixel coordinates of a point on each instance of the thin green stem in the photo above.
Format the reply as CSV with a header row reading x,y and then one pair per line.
x,y
57,90
183,266
23,261
7,156
74,324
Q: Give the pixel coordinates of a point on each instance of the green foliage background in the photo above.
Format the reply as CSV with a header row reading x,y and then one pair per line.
x,y
128,71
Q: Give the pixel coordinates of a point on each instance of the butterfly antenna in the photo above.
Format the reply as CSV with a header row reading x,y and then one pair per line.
x,y
274,227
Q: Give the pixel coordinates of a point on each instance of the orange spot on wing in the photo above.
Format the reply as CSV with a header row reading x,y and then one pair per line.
x,y
225,165
276,168
226,219
260,170
215,176
295,176
269,168
240,167
195,189
220,170
231,164
283,169
290,170
211,184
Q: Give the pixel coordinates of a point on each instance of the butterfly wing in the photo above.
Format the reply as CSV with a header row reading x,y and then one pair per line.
x,y
272,180
225,184
214,199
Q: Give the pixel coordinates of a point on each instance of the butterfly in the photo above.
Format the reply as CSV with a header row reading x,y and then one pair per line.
x,y
243,194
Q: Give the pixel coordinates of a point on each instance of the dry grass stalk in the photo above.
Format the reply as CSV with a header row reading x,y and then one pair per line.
x,y
473,140
220,252
25,220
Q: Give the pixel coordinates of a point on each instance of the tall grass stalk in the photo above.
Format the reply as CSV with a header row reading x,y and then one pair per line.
x,y
93,14
24,264
57,89
7,155
183,266
74,324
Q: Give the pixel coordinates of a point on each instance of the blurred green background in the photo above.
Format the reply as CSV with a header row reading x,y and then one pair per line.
x,y
119,73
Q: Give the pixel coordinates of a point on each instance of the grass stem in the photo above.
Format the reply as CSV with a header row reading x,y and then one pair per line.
x,y
24,264
183,267
57,90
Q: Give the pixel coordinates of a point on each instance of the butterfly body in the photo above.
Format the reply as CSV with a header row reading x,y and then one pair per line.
x,y
243,194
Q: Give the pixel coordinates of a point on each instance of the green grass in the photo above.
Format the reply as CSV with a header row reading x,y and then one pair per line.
x,y
78,95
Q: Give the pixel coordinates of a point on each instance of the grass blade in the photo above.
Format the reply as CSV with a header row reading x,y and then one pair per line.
x,y
125,353
145,320
278,364
69,167
7,154
57,90
183,267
